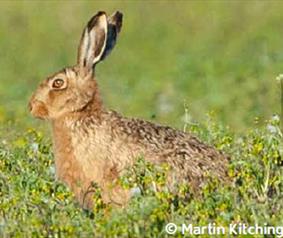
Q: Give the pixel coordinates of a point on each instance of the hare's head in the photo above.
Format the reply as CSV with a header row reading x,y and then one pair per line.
x,y
74,88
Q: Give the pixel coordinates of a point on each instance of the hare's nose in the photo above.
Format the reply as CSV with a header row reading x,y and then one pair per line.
x,y
30,106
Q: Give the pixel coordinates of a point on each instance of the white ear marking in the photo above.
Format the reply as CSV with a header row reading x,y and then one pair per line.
x,y
93,42
103,23
84,47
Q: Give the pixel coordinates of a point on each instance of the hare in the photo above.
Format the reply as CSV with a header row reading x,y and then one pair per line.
x,y
95,145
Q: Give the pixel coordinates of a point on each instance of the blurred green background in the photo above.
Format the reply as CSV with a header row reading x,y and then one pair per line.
x,y
220,56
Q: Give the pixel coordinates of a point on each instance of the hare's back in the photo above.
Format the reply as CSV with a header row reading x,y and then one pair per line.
x,y
190,158
163,139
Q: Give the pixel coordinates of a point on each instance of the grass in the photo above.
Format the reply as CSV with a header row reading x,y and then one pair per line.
x,y
32,204
216,56
174,63
281,84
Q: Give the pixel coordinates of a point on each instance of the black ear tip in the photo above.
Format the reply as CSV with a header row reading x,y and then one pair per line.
x,y
118,16
118,13
92,22
116,20
100,13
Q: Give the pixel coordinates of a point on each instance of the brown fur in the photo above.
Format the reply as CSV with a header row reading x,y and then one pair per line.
x,y
93,144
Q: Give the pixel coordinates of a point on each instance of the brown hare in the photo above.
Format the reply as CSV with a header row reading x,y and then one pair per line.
x,y
93,144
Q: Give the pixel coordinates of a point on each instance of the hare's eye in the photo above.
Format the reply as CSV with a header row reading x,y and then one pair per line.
x,y
57,83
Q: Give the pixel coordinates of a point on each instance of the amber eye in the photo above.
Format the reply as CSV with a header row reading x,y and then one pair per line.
x,y
57,83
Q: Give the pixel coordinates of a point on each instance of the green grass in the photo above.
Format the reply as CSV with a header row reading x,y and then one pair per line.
x,y
32,204
176,62
216,56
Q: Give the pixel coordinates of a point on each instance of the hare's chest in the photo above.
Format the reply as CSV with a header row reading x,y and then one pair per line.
x,y
100,149
90,151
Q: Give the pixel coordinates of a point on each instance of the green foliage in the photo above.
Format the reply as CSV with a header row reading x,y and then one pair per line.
x,y
34,204
215,55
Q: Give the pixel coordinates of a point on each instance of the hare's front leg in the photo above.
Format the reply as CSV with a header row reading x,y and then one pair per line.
x,y
109,186
112,191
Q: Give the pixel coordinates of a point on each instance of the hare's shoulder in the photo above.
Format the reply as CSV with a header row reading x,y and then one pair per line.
x,y
145,129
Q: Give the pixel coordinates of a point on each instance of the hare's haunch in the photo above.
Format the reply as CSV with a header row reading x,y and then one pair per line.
x,y
93,144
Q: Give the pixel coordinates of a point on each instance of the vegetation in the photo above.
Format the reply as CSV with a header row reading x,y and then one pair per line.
x,y
220,56
35,205
214,56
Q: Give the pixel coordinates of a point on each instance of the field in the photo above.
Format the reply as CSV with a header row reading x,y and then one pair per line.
x,y
209,67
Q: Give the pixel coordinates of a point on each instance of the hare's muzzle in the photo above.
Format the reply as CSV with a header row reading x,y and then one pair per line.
x,y
37,108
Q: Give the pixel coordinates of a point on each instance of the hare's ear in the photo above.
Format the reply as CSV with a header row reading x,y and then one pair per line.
x,y
114,27
93,43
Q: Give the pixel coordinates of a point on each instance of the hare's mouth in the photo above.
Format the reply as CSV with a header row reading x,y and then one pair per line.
x,y
38,109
